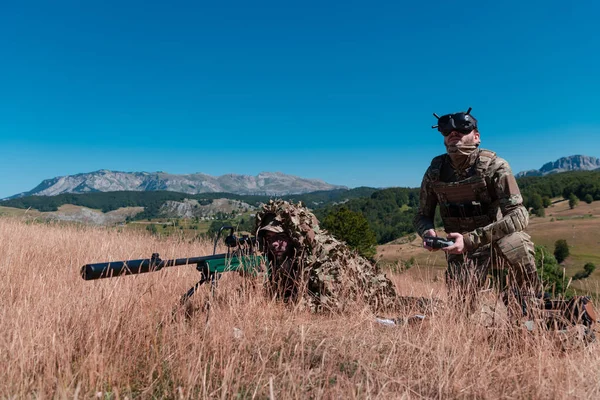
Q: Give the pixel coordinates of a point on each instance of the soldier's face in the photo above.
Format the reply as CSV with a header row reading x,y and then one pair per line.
x,y
456,138
278,244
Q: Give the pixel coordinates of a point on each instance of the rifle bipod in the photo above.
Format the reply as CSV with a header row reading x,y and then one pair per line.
x,y
209,274
206,275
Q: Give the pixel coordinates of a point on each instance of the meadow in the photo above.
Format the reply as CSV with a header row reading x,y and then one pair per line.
x,y
63,337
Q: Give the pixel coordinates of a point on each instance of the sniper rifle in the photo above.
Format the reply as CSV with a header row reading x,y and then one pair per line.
x,y
240,256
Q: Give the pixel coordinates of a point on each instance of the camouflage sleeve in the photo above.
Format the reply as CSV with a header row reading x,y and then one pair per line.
x,y
515,216
427,203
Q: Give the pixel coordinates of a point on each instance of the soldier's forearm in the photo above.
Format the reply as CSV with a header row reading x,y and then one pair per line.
x,y
515,221
422,224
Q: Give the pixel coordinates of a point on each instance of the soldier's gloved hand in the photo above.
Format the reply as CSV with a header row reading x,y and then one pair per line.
x,y
430,232
459,244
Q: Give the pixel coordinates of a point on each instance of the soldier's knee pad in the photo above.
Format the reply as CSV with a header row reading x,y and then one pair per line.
x,y
517,249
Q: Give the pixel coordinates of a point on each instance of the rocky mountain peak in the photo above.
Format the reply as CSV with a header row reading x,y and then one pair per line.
x,y
570,163
265,183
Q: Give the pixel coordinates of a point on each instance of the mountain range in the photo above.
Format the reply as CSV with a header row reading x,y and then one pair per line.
x,y
564,164
265,183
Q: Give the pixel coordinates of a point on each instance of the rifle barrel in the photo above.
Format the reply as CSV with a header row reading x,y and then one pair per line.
x,y
134,267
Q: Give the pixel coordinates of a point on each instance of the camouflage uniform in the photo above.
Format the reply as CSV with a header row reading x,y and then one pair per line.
x,y
484,204
324,274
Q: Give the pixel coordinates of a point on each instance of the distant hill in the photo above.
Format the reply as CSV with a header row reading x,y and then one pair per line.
x,y
167,203
390,212
564,164
264,184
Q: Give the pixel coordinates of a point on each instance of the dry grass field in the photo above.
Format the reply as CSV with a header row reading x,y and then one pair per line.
x,y
62,337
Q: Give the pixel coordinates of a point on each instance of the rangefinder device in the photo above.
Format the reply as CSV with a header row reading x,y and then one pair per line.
x,y
437,242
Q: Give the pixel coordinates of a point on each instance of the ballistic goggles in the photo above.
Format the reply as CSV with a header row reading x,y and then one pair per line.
x,y
461,122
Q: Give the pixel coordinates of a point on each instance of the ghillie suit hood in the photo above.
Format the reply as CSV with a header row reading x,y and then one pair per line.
x,y
335,277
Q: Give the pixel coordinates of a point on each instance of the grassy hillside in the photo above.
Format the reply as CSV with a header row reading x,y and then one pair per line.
x,y
580,227
63,337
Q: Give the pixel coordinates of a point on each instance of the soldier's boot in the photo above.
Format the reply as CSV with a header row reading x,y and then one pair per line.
x,y
418,305
524,308
523,301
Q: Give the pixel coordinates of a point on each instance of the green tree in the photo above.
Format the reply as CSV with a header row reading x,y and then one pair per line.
x,y
588,198
561,250
546,201
579,275
246,224
589,268
573,201
551,273
353,228
536,202
587,271
215,225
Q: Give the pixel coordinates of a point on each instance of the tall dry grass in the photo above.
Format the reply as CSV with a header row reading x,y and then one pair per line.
x,y
62,337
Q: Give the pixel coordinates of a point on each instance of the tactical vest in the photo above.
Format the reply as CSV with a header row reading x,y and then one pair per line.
x,y
466,204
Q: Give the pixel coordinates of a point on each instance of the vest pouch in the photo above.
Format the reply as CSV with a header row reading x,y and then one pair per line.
x,y
463,225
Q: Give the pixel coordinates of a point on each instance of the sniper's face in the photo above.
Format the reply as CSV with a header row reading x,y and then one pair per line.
x,y
278,244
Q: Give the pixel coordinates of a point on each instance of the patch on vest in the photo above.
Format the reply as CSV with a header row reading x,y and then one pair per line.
x,y
511,185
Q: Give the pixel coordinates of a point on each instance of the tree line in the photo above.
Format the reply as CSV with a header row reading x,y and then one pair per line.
x,y
153,200
389,212
109,201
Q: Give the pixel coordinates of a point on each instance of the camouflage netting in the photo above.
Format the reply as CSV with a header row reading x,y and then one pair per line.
x,y
336,277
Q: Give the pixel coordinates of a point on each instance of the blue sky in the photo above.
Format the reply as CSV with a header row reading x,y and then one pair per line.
x,y
341,91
